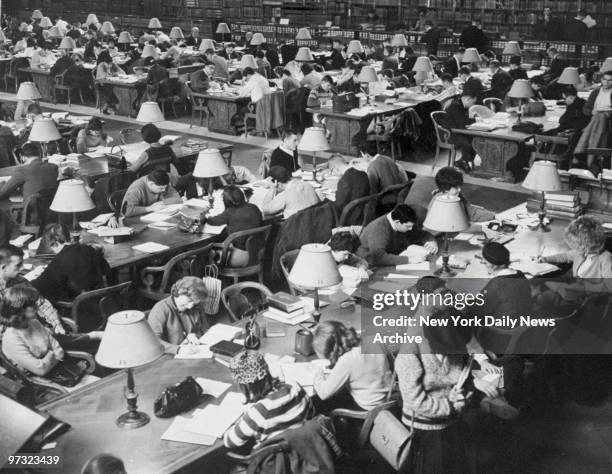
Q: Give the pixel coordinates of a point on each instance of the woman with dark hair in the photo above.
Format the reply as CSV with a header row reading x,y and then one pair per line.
x,y
238,215
104,464
106,68
366,377
272,406
157,152
92,136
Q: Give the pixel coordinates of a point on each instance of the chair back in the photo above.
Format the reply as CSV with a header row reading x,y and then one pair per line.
x,y
392,195
60,78
264,167
115,200
36,213
107,185
493,103
442,133
286,262
254,242
129,135
546,147
157,164
359,211
240,297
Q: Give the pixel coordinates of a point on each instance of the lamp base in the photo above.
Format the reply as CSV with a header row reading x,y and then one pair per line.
x,y
132,419
542,227
445,271
316,315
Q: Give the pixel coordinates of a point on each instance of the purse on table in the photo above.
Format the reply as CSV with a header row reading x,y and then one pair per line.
x,y
178,398
67,373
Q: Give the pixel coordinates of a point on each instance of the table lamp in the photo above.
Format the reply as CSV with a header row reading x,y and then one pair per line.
x,y
303,34
446,214
304,55
247,60
107,28
37,15
422,68
210,164
569,75
512,48
399,41
150,113
354,47
45,22
176,33
92,19
67,43
521,89
367,76
543,177
315,268
55,32
606,66
314,140
72,197
258,39
125,38
154,24
44,131
149,51
207,44
471,56
28,91
222,30
128,341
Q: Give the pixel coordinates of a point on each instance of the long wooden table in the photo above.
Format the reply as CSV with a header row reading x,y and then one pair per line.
x,y
43,79
223,107
126,92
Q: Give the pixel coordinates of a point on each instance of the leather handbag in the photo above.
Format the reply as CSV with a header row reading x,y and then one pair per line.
x,y
178,398
67,373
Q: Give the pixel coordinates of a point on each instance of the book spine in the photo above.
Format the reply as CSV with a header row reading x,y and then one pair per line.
x,y
534,206
285,314
562,197
287,308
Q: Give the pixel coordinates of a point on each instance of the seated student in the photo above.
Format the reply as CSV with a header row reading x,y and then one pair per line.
x,y
156,80
286,155
352,268
149,194
383,239
64,63
516,71
355,380
353,183
27,109
345,80
255,85
229,52
326,90
287,195
92,136
289,82
32,176
75,268
272,406
382,170
156,151
448,89
537,86
107,68
238,215
200,79
43,57
500,81
311,78
471,83
457,116
180,314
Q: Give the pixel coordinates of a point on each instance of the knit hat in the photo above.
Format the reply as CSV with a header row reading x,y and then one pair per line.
x,y
248,367
150,133
496,253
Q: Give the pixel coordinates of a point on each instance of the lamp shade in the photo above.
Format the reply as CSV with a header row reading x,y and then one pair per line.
x,y
45,22
512,48
67,43
37,15
207,44
176,33
422,64
125,38
471,56
248,60
222,29
28,91
71,196
543,176
154,24
446,214
55,32
91,18
367,74
304,54
521,89
149,51
128,341
315,267
354,47
399,40
314,140
210,164
258,39
569,76
303,34
150,112
107,28
606,66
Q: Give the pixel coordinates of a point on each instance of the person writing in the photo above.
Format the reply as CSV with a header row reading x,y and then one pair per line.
x,y
92,136
149,194
353,183
457,116
287,195
286,154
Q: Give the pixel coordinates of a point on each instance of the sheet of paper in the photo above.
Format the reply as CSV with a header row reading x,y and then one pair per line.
x,y
177,432
192,351
155,217
465,236
213,387
171,208
21,240
534,268
150,247
220,332
34,244
415,251
213,229
300,373
102,218
400,276
199,203
162,225
35,273
214,420
275,363
169,139
423,266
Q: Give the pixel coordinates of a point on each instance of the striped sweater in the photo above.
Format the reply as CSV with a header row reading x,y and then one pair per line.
x,y
285,408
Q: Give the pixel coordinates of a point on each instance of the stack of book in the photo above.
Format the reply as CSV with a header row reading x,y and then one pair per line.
x,y
194,146
560,204
286,308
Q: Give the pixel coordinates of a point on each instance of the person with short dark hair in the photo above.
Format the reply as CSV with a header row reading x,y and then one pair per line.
x,y
337,57
500,81
289,82
474,37
286,154
353,269
156,152
149,194
453,64
92,136
325,90
382,170
576,30
104,464
448,89
385,238
457,116
311,78
107,68
194,38
43,57
431,38
516,71
200,80
470,83
220,63
353,183
557,64
287,195
573,118
255,85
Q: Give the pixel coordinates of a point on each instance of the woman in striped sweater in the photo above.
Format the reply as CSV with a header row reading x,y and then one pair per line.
x,y
273,406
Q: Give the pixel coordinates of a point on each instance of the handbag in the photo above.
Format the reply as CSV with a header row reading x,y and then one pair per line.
x,y
390,437
213,289
178,398
534,109
67,373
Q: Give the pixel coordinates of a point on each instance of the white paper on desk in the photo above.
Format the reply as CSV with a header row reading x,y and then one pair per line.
x,y
155,217
4,179
59,115
400,276
102,218
553,118
192,351
285,320
199,203
177,432
415,251
34,244
275,361
423,266
534,268
35,273
150,247
214,420
169,139
220,332
465,236
213,387
300,373
402,104
607,225
21,240
213,229
162,225
16,198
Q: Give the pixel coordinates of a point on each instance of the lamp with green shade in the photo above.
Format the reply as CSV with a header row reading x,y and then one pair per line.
x,y
210,165
543,177
304,55
128,342
45,22
72,197
314,140
92,19
125,38
28,91
512,48
471,56
569,76
447,215
149,51
67,43
223,30
150,113
422,68
44,131
315,268
206,44
37,15
367,76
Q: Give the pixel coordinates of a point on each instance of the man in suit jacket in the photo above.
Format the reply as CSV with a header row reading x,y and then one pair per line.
x,y
471,83
474,37
337,58
575,29
457,116
557,65
549,27
453,64
200,79
382,170
431,38
353,184
516,71
500,81
194,38
33,176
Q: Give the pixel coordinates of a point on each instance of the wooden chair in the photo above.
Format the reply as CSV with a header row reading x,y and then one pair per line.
x,y
360,211
115,200
286,262
250,114
494,103
198,104
546,148
264,167
442,138
388,136
104,187
158,280
12,73
80,308
236,306
169,93
255,243
34,213
129,135
60,85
